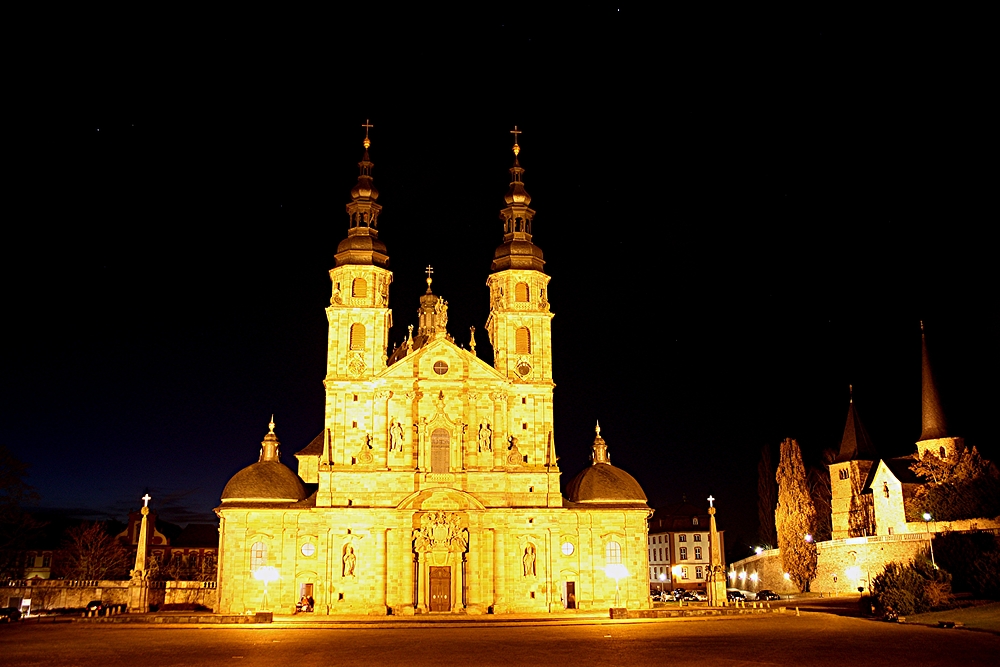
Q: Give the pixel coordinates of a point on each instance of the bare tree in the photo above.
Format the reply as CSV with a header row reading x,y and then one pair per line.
x,y
767,498
92,553
795,517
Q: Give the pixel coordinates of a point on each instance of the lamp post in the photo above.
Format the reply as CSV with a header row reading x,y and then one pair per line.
x,y
930,540
662,578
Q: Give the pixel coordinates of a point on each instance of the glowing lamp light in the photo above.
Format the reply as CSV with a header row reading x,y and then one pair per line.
x,y
927,516
676,570
663,577
758,550
853,572
753,577
732,575
743,576
787,576
616,571
809,537
266,574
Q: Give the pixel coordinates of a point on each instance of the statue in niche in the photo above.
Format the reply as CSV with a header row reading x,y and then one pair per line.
x,y
350,561
395,436
528,560
485,437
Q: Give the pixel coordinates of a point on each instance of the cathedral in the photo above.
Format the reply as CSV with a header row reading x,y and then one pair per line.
x,y
434,486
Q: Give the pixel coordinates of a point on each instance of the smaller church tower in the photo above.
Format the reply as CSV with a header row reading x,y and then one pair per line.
x,y
934,437
852,515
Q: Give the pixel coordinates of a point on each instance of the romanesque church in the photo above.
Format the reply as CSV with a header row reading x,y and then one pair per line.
x,y
434,485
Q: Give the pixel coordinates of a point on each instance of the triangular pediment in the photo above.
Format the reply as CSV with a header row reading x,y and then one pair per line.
x,y
426,363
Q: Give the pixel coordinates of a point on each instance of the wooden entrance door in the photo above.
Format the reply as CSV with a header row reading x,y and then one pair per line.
x,y
571,595
440,588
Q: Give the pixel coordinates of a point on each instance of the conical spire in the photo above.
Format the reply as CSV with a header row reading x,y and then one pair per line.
x,y
362,245
855,445
517,250
934,425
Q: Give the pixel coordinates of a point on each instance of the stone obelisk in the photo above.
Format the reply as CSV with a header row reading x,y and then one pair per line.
x,y
138,588
716,580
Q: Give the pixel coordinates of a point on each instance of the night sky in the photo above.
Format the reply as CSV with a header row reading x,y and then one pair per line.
x,y
739,221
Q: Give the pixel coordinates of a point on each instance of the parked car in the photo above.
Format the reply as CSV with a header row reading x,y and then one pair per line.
x,y
701,595
662,596
9,614
95,605
767,595
734,595
689,596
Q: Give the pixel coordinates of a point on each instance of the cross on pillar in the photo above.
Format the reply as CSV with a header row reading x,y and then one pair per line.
x,y
145,500
710,501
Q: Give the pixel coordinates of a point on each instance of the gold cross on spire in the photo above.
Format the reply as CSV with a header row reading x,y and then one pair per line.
x,y
367,125
515,132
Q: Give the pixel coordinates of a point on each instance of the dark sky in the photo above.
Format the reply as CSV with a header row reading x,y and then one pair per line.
x,y
739,222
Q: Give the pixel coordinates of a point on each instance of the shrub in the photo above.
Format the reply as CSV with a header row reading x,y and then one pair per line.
x,y
912,588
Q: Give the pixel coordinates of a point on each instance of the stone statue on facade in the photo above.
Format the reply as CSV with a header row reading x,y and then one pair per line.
x,y
528,560
485,437
395,436
350,561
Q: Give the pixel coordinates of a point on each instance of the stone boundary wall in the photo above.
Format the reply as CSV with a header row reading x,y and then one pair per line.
x,y
59,593
842,565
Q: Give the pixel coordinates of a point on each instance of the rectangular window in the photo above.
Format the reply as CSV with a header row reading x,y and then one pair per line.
x,y
697,553
697,537
684,553
682,538
697,572
684,573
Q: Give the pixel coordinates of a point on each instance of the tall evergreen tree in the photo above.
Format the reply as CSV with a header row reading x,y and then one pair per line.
x,y
795,516
767,498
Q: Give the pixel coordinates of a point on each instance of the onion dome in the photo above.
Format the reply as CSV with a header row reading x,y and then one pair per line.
x,y
268,480
362,245
603,482
517,250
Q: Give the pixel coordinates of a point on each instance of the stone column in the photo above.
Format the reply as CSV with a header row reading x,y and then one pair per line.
x,y
422,592
499,571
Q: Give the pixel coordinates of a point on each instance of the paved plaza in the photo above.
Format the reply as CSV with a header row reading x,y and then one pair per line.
x,y
775,639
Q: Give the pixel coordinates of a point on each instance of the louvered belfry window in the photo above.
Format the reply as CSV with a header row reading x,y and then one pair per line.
x,y
359,287
357,336
522,341
521,292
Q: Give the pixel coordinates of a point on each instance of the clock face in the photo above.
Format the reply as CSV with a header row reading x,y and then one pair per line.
x,y
308,549
524,368
567,548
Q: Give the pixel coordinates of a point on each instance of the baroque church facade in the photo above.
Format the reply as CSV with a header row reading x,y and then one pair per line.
x,y
434,485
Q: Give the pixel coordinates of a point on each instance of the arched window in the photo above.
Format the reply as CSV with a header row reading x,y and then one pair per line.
x,y
522,341
359,287
357,336
613,553
694,521
521,292
440,449
258,555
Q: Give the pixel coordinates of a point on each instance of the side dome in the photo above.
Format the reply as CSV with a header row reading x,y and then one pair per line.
x,y
268,480
265,481
603,482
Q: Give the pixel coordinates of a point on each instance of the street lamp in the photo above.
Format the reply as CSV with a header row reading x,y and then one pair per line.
x,y
930,540
616,571
662,578
266,574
